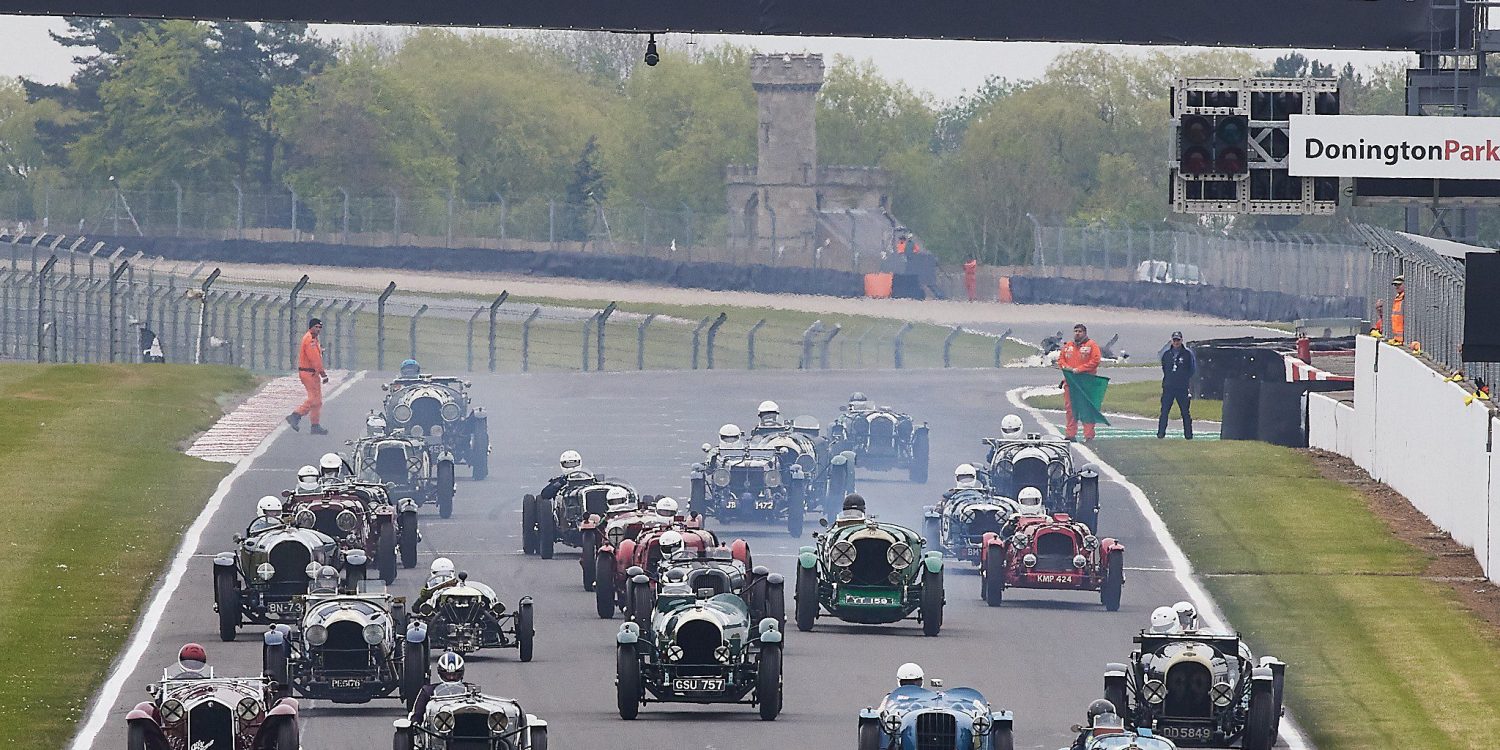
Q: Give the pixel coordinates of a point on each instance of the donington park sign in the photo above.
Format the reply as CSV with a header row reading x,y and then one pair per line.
x,y
1459,148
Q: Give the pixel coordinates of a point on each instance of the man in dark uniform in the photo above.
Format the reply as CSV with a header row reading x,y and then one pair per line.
x,y
1178,364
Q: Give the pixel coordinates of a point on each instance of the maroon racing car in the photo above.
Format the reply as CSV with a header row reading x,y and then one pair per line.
x,y
1051,552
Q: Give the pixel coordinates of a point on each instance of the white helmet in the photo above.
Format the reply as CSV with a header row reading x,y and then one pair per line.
x,y
768,407
730,433
966,476
670,543
666,507
442,567
1163,621
570,460
617,497
331,463
1030,499
909,673
270,505
307,472
1187,615
1011,426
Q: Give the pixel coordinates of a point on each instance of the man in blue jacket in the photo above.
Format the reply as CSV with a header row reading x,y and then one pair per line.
x,y
1177,367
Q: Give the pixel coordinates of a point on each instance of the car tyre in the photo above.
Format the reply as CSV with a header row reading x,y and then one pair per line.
x,y
642,602
287,736
992,577
870,735
1116,691
1088,503
413,671
806,596
275,663
933,531
932,603
604,585
446,486
409,539
775,603
795,512
920,450
698,495
526,630
385,550
538,738
479,453
586,562
227,593
528,525
546,531
402,740
627,681
768,681
1114,581
1260,725
138,736
1004,739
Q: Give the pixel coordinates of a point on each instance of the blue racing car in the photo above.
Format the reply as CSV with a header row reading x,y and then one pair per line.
x,y
913,717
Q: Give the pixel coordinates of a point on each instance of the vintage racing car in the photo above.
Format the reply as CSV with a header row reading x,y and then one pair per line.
x,y
204,711
360,516
437,409
566,518
459,716
1051,552
465,616
752,485
617,568
624,515
865,571
698,647
957,524
407,467
917,718
347,648
828,474
1199,688
260,581
881,438
1046,464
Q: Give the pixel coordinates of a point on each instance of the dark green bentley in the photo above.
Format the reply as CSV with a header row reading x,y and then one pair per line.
x,y
866,571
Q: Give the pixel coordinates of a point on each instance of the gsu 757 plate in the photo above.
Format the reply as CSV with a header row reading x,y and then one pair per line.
x,y
698,684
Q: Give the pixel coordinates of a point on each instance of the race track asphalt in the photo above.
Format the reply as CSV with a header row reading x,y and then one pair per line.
x,y
1040,655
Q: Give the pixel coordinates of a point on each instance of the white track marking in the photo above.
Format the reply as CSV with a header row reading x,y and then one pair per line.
x,y
1182,568
240,431
151,616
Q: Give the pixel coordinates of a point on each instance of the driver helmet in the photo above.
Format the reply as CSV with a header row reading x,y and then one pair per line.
x,y
618,498
671,543
1010,427
192,658
307,473
768,411
729,435
269,506
450,667
1030,500
442,568
666,507
910,673
410,369
854,502
1099,708
966,476
327,579
1187,615
1164,621
330,464
570,460
857,400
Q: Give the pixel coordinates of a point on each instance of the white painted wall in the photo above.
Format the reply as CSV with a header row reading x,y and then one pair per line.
x,y
1330,423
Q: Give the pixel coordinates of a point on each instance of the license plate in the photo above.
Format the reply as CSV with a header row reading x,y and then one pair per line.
x,y
1054,578
1185,732
347,684
765,504
282,608
868,600
698,684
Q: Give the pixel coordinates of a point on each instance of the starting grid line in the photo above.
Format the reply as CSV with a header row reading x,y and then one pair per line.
x,y
239,432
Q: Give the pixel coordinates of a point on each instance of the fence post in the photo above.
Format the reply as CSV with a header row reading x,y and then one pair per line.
x,y
255,305
948,346
898,345
296,235
551,224
114,331
603,319
640,342
526,340
344,234
415,316
239,210
380,325
805,362
42,277
713,333
697,331
450,238
353,338
203,315
469,337
291,314
823,355
494,310
750,349
999,342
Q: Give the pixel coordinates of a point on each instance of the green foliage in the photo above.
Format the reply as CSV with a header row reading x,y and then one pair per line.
x,y
586,191
864,118
21,152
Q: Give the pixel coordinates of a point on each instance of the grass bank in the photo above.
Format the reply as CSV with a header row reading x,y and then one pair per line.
x,y
97,494
1378,655
1142,399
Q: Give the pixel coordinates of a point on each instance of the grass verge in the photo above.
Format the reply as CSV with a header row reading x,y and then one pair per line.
x,y
98,494
1141,398
1377,654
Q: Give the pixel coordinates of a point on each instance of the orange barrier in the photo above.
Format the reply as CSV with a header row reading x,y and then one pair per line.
x,y
878,285
1005,289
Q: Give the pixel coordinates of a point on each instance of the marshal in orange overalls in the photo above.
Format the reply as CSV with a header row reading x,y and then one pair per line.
x,y
310,372
1084,357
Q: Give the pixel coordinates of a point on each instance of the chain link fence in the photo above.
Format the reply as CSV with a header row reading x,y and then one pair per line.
x,y
67,299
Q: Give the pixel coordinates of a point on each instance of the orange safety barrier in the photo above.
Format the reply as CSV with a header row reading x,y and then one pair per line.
x,y
1005,289
878,285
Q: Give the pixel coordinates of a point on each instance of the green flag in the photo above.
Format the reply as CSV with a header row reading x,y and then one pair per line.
x,y
1087,395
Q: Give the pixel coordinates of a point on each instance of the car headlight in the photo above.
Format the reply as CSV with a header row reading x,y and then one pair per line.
x,y
1055,470
415,430
966,515
347,520
773,478
674,652
1155,690
172,711
265,571
721,477
1090,542
982,723
247,710
1020,541
892,723
450,412
899,555
615,535
374,634
402,413
316,635
498,720
1221,693
842,554
443,722
306,519
895,577
1029,560
437,431
722,654
1079,561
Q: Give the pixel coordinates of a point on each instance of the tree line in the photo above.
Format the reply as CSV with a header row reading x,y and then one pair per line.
x,y
571,116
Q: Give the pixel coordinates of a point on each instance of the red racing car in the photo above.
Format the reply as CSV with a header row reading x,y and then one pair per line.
x,y
1051,552
615,566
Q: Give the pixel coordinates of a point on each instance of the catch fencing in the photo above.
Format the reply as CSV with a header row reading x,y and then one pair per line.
x,y
67,299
